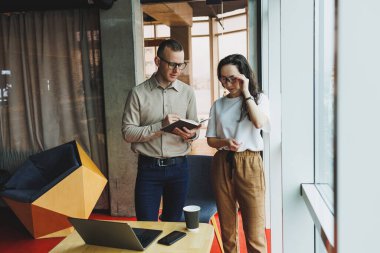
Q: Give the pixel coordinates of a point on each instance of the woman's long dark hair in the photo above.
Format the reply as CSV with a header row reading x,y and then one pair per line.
x,y
242,65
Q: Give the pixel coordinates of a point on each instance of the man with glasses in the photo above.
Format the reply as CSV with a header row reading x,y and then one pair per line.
x,y
162,163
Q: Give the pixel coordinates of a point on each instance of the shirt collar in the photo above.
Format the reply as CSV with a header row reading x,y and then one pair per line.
x,y
154,84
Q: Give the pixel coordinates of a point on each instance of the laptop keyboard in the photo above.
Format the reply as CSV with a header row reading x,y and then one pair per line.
x,y
146,236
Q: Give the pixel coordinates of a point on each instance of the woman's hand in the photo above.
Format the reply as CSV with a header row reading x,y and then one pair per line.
x,y
221,143
233,145
243,83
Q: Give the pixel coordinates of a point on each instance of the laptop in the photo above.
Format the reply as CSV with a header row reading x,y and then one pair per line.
x,y
114,234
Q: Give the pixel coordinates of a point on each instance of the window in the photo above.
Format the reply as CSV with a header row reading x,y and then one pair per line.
x,y
230,28
324,100
319,197
201,74
154,34
200,28
233,23
232,43
148,31
232,36
162,31
5,86
150,66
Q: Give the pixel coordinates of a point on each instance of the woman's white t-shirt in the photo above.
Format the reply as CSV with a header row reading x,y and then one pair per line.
x,y
224,123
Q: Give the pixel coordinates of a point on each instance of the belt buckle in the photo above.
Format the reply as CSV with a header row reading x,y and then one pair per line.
x,y
162,162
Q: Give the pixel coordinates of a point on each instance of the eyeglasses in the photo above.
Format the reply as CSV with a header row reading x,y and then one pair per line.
x,y
230,79
173,65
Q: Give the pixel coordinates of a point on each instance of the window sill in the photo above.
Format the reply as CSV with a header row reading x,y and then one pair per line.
x,y
320,213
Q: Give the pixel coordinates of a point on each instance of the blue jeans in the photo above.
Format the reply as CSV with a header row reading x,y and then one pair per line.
x,y
152,181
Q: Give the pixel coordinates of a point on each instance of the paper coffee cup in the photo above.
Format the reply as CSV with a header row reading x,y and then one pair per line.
x,y
192,217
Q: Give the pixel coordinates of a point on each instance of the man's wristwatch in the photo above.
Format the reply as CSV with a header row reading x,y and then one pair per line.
x,y
193,137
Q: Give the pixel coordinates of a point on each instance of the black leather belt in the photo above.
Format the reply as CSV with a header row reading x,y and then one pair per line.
x,y
162,162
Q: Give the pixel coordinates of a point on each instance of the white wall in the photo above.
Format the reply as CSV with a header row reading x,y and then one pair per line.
x,y
271,85
297,121
288,72
358,200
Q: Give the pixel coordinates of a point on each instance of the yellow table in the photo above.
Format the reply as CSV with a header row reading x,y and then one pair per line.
x,y
193,242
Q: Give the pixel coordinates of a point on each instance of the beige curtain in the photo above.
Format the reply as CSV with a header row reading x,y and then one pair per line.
x,y
51,88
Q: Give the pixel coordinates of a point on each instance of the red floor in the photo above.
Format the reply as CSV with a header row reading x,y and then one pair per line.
x,y
14,238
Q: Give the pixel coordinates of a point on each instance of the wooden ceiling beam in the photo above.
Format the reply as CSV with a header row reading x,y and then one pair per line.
x,y
170,14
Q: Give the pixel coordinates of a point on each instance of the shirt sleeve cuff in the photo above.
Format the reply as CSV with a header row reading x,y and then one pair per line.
x,y
196,135
156,127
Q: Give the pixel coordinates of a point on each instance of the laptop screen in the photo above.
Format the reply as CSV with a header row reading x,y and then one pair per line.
x,y
114,234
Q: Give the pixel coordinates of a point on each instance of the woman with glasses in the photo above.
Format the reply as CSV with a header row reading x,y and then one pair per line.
x,y
237,169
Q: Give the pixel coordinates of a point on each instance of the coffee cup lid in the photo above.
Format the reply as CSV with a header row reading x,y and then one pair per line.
x,y
191,208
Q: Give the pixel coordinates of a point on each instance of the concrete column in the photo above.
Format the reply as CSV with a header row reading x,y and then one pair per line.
x,y
183,35
123,67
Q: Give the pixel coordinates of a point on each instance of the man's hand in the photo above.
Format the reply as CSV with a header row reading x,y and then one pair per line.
x,y
169,119
186,134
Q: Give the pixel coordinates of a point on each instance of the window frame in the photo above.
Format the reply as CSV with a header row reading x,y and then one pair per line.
x,y
317,196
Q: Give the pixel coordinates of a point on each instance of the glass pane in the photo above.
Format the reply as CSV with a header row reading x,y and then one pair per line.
x,y
200,18
324,99
235,12
201,75
162,31
228,45
5,86
232,24
200,28
150,66
148,31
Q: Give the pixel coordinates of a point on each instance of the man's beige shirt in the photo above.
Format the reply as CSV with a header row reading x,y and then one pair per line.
x,y
146,106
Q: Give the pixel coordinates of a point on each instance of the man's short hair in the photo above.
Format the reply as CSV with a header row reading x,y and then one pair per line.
x,y
170,43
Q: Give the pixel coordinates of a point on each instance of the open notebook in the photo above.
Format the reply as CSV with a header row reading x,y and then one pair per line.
x,y
188,123
114,234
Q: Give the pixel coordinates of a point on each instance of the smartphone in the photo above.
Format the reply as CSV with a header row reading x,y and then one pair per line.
x,y
171,238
